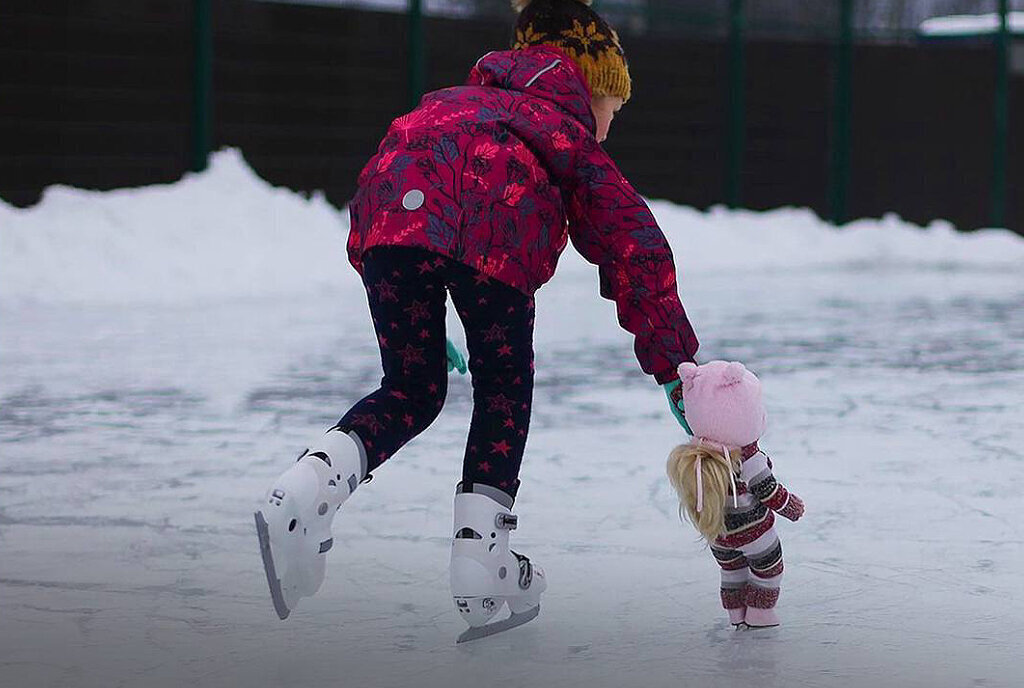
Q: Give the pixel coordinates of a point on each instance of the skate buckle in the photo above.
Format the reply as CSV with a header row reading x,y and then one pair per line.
x,y
506,521
525,571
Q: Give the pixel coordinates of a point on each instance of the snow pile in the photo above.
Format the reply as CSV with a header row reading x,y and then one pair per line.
x,y
970,24
227,234
224,233
796,239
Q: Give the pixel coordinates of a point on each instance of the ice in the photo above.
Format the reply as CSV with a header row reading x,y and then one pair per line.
x,y
166,352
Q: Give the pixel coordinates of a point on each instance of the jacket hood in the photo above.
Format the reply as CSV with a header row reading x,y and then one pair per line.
x,y
541,71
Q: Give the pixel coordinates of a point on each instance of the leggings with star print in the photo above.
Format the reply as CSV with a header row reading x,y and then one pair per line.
x,y
407,290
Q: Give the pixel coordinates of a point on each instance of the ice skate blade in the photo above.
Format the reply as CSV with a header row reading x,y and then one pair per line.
x,y
276,594
499,626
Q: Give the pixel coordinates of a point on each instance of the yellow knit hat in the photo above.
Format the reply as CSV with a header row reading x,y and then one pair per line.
x,y
574,27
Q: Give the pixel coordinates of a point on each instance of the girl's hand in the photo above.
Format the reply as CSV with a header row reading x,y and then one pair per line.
x,y
793,509
455,358
674,392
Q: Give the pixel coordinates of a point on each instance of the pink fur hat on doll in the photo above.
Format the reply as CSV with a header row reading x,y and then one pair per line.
x,y
722,402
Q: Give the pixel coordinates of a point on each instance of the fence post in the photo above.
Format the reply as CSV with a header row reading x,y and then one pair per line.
x,y
417,53
839,179
737,107
202,83
1002,117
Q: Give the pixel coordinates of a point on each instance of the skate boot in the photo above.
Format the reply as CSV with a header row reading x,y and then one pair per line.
x,y
761,618
294,522
485,573
737,617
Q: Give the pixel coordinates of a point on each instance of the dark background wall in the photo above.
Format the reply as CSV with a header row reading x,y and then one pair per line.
x,y
97,94
92,94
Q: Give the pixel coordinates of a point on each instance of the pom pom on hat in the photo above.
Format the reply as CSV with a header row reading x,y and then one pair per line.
x,y
733,374
687,371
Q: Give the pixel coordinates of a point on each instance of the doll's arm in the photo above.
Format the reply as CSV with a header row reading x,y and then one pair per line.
x,y
768,490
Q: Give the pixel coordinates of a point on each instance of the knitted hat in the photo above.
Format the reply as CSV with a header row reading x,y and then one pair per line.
x,y
581,32
723,403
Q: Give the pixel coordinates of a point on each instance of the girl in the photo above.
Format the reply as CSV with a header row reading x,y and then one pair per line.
x,y
474,194
726,486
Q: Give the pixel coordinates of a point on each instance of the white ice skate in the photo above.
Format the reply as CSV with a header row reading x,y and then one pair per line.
x,y
485,573
294,522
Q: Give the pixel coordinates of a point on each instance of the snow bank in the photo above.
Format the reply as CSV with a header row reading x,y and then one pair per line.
x,y
790,239
222,233
970,24
227,234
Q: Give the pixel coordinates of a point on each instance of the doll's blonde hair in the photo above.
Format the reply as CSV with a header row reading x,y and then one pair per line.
x,y
715,468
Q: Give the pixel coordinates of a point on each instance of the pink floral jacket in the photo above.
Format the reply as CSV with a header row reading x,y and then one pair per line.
x,y
498,174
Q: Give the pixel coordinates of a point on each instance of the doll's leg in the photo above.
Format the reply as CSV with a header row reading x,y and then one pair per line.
x,y
762,591
734,580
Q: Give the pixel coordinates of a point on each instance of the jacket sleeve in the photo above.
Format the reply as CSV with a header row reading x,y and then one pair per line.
x,y
612,227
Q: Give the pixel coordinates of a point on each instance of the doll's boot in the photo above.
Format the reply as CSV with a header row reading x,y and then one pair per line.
x,y
761,618
485,574
294,522
737,616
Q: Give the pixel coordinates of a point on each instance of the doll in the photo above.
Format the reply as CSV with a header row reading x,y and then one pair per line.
x,y
727,490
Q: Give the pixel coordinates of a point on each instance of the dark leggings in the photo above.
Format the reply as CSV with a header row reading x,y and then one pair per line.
x,y
407,289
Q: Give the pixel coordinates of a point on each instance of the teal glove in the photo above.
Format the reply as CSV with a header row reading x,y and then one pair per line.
x,y
674,392
455,358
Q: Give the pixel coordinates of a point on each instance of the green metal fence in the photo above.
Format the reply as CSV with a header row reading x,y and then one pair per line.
x,y
737,107
1002,117
202,79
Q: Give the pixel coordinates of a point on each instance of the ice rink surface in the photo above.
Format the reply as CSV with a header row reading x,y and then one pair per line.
x,y
138,431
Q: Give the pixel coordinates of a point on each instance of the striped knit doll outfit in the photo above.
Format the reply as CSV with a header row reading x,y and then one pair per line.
x,y
749,551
